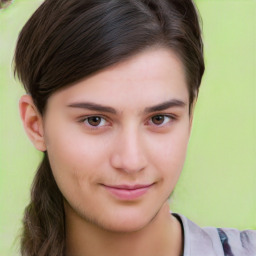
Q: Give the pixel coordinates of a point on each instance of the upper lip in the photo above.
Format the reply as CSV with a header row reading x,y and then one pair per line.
x,y
129,187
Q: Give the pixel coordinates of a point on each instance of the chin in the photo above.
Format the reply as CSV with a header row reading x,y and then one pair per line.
x,y
125,226
129,221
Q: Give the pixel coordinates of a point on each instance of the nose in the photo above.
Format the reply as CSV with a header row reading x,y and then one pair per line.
x,y
128,152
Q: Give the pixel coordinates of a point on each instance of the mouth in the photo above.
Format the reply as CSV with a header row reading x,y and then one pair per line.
x,y
128,192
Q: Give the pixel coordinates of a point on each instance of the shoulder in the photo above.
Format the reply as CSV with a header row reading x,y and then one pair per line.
x,y
235,242
212,241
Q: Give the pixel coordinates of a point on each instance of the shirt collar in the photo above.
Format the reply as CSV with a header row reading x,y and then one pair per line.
x,y
198,241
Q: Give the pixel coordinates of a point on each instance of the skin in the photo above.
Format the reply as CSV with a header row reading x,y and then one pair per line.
x,y
139,137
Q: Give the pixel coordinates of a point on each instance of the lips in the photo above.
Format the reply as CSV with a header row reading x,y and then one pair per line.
x,y
128,192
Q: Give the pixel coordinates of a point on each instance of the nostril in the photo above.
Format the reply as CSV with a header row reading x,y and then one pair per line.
x,y
128,164
128,151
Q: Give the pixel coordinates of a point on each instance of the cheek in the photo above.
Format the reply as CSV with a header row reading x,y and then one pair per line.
x,y
176,149
75,160
170,152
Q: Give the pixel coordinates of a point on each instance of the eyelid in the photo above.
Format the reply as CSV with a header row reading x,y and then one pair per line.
x,y
149,122
86,117
172,118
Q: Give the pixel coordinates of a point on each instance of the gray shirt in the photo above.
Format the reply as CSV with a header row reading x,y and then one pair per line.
x,y
211,241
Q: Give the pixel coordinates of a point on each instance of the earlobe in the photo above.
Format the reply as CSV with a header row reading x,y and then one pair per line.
x,y
32,122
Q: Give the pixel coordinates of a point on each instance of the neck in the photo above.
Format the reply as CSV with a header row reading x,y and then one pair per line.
x,y
162,236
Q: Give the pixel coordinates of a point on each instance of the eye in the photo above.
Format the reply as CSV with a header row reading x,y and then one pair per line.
x,y
95,121
160,120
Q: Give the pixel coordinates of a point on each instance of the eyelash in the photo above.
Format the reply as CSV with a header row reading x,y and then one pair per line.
x,y
171,118
149,122
85,121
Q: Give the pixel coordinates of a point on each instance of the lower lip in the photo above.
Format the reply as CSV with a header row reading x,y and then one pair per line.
x,y
128,194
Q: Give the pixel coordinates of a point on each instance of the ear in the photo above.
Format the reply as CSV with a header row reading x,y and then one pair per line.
x,y
32,122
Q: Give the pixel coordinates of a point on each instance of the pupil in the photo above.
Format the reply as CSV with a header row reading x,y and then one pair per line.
x,y
94,121
158,119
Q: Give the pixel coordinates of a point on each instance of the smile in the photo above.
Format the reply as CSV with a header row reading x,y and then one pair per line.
x,y
128,192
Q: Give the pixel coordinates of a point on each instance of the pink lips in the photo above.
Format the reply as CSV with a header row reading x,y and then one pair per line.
x,y
127,192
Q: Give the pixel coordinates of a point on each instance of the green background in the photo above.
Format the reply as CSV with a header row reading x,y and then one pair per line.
x,y
217,186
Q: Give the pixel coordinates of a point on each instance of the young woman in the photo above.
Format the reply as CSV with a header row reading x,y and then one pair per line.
x,y
111,86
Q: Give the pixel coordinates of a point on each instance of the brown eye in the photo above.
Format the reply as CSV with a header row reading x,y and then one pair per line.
x,y
160,120
95,121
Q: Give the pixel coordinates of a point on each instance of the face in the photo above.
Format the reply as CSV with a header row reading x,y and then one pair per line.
x,y
117,140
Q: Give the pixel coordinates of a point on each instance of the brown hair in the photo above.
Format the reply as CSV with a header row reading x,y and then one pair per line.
x,y
66,40
4,3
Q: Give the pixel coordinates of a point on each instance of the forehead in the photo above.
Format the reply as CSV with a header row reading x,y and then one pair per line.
x,y
151,76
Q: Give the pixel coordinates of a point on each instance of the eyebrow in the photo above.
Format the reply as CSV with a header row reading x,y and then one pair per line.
x,y
93,106
97,107
165,105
